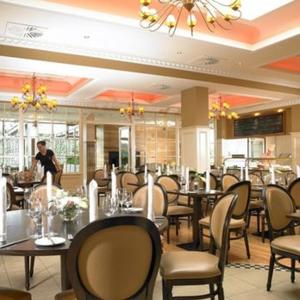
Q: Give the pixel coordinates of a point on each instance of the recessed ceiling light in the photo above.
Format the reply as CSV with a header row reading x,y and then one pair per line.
x,y
257,114
86,37
280,110
179,52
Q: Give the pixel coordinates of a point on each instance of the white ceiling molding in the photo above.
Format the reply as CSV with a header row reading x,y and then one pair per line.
x,y
268,106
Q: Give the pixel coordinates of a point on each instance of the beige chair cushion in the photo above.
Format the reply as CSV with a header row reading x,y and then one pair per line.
x,y
189,265
66,295
234,223
11,294
178,210
290,243
183,200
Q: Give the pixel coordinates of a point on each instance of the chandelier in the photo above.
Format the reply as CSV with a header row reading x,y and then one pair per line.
x,y
33,97
221,109
212,12
131,110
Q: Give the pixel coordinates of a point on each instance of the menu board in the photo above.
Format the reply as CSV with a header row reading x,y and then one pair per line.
x,y
261,125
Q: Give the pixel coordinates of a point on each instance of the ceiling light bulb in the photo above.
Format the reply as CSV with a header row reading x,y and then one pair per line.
x,y
171,21
236,5
145,2
152,15
145,12
280,110
191,21
257,114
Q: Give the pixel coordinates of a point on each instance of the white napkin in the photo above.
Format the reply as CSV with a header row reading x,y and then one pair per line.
x,y
272,172
182,172
242,174
93,200
298,171
247,173
3,207
168,169
159,171
145,174
49,186
207,180
150,210
113,185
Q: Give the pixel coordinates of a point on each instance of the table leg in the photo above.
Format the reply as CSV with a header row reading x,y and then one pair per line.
x,y
27,275
197,216
65,281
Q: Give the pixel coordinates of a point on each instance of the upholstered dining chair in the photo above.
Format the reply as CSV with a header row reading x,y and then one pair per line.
x,y
13,294
174,211
278,204
160,201
11,198
290,177
294,191
141,177
238,222
99,270
39,192
256,205
129,181
227,180
180,268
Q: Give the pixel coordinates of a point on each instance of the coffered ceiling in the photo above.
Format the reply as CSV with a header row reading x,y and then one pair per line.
x,y
94,53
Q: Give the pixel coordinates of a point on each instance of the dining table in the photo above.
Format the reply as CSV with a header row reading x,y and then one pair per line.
x,y
19,243
295,216
196,196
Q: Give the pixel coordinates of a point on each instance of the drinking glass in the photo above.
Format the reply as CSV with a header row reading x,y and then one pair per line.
x,y
51,212
35,213
109,206
128,201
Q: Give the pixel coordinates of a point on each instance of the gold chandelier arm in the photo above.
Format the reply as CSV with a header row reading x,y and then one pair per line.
x,y
173,29
163,14
208,25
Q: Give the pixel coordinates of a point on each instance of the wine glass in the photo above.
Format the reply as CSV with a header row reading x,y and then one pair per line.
x,y
51,212
128,200
109,206
35,213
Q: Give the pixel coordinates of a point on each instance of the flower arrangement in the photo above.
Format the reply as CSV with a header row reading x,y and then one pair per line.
x,y
69,211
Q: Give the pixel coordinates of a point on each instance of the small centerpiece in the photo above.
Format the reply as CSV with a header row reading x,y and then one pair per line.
x,y
69,211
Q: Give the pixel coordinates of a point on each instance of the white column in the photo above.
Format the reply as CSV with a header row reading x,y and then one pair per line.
x,y
132,146
195,148
21,140
295,136
83,146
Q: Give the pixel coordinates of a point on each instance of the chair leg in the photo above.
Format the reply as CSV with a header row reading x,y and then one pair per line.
x,y
177,225
211,291
31,266
201,240
263,229
27,275
271,268
293,270
168,233
246,243
258,220
220,291
166,290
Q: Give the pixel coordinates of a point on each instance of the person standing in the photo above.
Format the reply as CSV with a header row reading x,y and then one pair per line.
x,y
47,159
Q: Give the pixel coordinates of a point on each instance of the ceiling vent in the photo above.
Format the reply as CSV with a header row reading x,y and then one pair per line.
x,y
206,61
161,87
26,31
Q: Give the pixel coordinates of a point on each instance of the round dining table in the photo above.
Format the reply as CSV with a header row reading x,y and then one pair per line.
x,y
20,227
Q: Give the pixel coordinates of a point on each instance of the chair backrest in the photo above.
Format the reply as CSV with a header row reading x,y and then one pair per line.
x,y
11,197
278,204
243,191
57,177
256,179
100,178
290,177
219,225
25,176
13,294
141,176
40,192
169,184
294,191
213,181
127,179
228,180
160,200
119,176
100,259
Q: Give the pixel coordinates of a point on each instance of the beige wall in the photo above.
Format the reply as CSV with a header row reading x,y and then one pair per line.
x,y
194,107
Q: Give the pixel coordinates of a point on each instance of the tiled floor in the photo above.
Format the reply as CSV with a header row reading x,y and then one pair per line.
x,y
239,284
